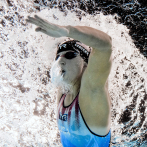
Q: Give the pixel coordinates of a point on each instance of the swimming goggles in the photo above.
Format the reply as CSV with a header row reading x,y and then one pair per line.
x,y
74,46
68,55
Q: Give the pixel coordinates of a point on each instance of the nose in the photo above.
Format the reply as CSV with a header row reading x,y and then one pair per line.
x,y
62,61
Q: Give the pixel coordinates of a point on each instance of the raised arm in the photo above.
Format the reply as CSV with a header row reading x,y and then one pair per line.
x,y
94,99
87,35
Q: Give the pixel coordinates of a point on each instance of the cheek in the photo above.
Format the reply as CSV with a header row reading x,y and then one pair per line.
x,y
79,65
77,68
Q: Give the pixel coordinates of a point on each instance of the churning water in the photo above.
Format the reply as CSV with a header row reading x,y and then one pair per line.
x,y
27,102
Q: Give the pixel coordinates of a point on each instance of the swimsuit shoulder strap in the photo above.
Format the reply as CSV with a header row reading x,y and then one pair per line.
x,y
62,98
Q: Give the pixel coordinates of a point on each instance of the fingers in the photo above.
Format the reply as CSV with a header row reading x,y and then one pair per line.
x,y
41,30
39,22
45,23
45,27
30,19
40,19
33,21
47,33
38,29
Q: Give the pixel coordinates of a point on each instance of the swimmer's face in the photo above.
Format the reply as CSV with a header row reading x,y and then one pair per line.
x,y
68,70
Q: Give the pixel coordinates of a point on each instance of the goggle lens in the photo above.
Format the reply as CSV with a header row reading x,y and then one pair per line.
x,y
68,55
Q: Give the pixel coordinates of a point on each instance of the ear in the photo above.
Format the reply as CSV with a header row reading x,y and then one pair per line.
x,y
84,66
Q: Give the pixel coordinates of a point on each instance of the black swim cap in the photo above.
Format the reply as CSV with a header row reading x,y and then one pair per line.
x,y
72,45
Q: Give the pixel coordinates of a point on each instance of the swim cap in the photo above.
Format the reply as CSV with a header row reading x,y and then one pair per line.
x,y
72,45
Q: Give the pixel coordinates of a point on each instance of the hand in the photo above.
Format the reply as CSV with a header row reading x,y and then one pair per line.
x,y
48,28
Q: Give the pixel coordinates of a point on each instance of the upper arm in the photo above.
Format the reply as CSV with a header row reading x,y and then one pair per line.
x,y
98,69
93,95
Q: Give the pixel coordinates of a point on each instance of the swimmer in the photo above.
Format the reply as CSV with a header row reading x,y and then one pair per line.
x,y
80,71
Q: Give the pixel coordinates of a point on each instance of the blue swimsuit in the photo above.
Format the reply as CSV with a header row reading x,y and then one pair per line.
x,y
74,131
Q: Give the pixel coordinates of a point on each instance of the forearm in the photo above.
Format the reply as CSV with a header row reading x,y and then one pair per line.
x,y
89,36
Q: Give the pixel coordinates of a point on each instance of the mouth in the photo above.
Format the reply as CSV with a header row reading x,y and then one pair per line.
x,y
63,72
